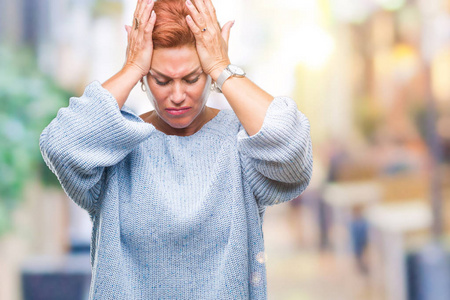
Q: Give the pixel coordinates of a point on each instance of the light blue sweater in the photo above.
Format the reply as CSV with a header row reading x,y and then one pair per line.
x,y
176,217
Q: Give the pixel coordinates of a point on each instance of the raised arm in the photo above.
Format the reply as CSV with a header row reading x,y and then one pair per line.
x,y
275,146
85,138
139,53
248,101
278,160
93,132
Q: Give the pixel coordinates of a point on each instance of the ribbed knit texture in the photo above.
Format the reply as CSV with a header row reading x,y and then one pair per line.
x,y
176,217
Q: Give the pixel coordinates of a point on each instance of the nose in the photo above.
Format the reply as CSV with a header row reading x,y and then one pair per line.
x,y
178,93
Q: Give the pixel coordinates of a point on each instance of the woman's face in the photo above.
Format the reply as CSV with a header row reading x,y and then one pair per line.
x,y
178,85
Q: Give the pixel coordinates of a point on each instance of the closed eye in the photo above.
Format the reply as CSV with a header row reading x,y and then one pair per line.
x,y
161,82
193,80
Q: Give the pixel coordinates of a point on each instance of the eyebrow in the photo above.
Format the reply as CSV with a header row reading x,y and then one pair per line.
x,y
167,77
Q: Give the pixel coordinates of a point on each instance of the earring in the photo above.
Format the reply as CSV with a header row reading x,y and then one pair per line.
x,y
143,87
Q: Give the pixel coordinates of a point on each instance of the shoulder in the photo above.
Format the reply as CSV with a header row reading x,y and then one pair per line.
x,y
130,114
229,117
147,116
226,123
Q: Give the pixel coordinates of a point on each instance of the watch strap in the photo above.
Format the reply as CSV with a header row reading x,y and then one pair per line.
x,y
226,73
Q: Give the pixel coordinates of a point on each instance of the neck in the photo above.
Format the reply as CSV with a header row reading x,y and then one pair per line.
x,y
205,116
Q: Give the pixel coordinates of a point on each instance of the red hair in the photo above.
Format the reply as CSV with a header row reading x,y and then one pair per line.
x,y
171,29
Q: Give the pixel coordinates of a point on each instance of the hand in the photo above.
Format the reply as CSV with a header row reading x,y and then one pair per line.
x,y
140,43
212,43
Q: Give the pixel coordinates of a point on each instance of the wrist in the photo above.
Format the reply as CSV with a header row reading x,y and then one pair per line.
x,y
227,73
215,73
133,71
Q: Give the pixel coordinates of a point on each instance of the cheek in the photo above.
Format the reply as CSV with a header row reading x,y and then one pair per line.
x,y
157,91
195,92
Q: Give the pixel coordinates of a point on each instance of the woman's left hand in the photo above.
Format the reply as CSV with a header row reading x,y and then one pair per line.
x,y
211,41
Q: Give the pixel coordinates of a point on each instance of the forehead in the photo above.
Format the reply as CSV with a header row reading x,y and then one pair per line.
x,y
175,62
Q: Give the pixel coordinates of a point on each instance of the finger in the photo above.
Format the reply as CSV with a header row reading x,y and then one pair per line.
x,y
196,15
201,6
211,9
136,11
128,29
194,28
203,10
138,6
226,30
146,14
141,11
148,30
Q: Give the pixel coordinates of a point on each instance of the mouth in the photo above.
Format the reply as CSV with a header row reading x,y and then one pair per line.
x,y
178,111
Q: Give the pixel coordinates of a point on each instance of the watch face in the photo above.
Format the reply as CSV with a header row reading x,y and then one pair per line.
x,y
236,70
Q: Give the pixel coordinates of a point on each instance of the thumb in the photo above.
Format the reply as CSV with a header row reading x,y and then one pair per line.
x,y
128,29
226,30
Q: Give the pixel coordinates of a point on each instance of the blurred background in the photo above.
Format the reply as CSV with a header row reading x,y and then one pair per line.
x,y
373,77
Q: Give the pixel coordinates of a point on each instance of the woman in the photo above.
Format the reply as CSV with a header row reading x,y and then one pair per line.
x,y
177,195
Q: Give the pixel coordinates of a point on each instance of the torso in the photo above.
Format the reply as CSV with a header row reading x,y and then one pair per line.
x,y
184,221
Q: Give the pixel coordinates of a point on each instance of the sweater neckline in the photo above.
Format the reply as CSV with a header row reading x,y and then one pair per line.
x,y
199,132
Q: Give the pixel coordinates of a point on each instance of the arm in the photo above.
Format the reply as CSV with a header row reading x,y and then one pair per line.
x,y
92,133
275,145
277,161
248,101
139,53
85,138
121,84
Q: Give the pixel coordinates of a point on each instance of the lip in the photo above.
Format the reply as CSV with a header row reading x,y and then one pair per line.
x,y
178,111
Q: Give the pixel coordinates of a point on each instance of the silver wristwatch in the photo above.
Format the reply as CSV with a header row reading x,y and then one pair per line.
x,y
230,70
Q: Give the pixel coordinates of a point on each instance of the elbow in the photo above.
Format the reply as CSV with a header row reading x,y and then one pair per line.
x,y
307,175
51,151
46,150
303,166
307,169
43,144
303,176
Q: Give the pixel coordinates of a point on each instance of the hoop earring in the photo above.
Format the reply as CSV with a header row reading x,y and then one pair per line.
x,y
143,87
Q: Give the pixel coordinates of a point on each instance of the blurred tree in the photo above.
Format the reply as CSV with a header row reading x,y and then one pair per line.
x,y
29,101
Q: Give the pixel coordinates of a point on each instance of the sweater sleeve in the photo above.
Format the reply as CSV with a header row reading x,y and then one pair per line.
x,y
85,138
278,160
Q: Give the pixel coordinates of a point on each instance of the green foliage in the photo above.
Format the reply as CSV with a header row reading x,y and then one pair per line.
x,y
29,101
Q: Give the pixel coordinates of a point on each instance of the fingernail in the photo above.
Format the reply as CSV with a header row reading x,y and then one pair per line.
x,y
189,18
188,2
232,24
149,1
153,14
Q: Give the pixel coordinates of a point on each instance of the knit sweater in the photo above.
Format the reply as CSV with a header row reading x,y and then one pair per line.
x,y
176,217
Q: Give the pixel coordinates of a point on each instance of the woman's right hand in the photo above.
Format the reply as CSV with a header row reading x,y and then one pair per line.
x,y
140,43
139,53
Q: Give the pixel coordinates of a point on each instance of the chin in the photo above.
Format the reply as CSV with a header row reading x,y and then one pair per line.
x,y
178,124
